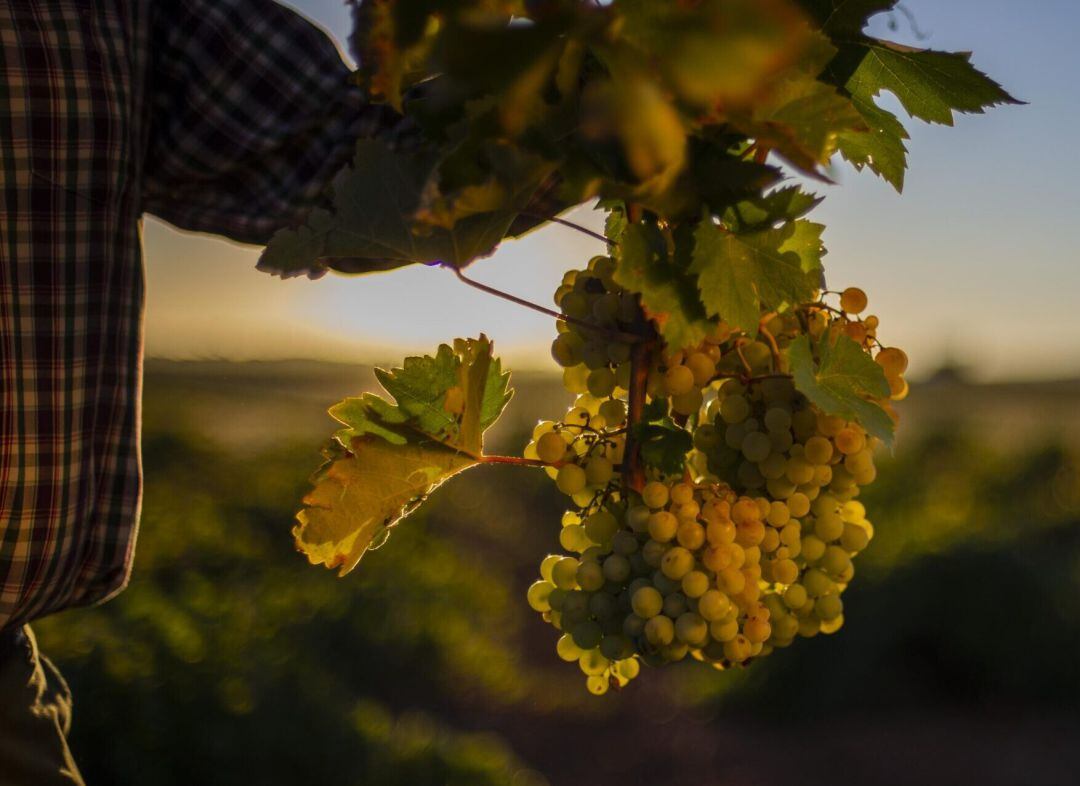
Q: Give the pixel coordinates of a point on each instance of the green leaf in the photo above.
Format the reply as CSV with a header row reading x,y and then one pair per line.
x,y
801,122
841,380
930,85
845,17
372,221
668,294
398,452
881,147
663,444
741,275
420,388
767,210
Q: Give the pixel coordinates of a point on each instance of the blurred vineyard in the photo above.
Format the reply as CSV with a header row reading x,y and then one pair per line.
x,y
229,660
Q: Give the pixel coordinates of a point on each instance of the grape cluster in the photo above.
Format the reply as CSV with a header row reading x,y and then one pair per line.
x,y
753,545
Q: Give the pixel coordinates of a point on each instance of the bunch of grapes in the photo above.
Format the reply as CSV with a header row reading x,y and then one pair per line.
x,y
752,545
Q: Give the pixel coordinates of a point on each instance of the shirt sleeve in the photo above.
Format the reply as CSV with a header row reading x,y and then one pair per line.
x,y
251,114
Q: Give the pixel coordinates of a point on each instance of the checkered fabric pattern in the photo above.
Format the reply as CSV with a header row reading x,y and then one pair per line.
x,y
223,116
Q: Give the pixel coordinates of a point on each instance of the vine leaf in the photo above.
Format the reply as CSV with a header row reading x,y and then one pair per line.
x,y
740,275
841,381
845,17
391,456
373,220
663,444
667,291
930,85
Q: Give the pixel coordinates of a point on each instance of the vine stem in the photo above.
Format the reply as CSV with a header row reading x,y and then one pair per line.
x,y
632,469
616,335
569,224
516,460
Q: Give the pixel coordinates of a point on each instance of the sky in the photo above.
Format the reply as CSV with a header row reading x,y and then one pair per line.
x,y
976,263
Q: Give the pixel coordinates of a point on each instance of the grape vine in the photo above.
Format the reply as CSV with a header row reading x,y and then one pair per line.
x,y
728,403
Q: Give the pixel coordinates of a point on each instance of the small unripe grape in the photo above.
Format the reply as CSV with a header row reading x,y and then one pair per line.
x,y
702,367
566,349
616,568
737,649
854,538
853,300
818,450
676,563
850,440
601,382
757,630
777,419
829,526
567,649
756,446
551,447
596,684
795,596
813,548
893,361
695,584
678,380
655,494
800,471
674,604
590,576
564,573
598,471
571,479
817,583
613,411
647,602
593,662
785,571
799,505
659,630
688,403
713,605
691,629
538,595
734,409
662,526
828,607
681,493
653,551
836,561
691,535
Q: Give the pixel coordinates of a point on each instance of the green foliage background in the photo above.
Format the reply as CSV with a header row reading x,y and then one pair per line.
x,y
229,660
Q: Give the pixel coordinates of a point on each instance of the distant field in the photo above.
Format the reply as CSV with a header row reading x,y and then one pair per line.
x,y
250,405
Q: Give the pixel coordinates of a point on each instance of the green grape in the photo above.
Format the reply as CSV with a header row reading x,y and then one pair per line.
x,y
734,409
678,380
564,573
676,563
616,568
601,382
695,584
660,630
586,634
615,647
713,605
596,685
647,602
599,471
662,526
566,648
571,479
817,583
547,564
593,663
828,607
655,495
691,629
613,411
627,669
538,595
590,576
551,448
756,446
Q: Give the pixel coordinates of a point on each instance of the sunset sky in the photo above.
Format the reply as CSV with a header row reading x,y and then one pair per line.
x,y
977,260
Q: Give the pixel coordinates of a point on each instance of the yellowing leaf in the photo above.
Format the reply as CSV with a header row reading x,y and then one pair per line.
x,y
391,455
358,498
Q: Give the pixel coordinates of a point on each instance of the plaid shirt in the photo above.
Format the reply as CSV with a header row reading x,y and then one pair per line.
x,y
224,116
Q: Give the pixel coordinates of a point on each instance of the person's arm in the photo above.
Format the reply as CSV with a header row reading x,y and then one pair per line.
x,y
252,114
